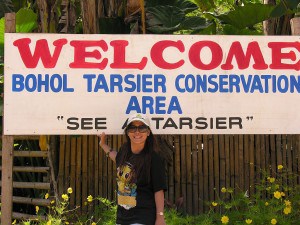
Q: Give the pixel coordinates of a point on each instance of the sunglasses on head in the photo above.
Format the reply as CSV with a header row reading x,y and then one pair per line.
x,y
141,128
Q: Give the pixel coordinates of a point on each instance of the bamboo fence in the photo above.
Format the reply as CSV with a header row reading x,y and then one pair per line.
x,y
202,165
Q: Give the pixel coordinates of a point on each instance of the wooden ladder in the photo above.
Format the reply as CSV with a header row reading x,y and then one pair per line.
x,y
29,185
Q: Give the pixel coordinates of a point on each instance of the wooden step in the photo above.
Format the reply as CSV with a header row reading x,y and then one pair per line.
x,y
29,153
30,169
25,137
30,201
23,216
34,185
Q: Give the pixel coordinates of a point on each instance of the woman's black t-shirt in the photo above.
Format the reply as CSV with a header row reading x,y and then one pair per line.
x,y
135,196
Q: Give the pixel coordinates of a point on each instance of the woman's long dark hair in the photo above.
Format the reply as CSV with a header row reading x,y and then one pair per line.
x,y
150,146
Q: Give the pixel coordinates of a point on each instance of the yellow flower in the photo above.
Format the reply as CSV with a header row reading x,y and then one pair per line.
x,y
282,194
225,219
248,221
37,209
67,222
266,203
15,221
280,167
287,210
271,179
277,194
287,203
214,204
273,221
49,222
46,196
70,190
223,189
52,202
65,197
93,223
90,198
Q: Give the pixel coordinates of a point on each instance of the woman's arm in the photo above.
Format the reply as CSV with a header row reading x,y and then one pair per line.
x,y
159,202
107,149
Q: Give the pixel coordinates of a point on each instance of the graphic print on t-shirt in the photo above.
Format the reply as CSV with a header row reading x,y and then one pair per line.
x,y
126,186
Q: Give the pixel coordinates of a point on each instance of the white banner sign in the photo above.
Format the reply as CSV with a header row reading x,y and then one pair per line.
x,y
192,84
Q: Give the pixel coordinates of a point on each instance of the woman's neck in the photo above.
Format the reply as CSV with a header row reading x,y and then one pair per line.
x,y
137,148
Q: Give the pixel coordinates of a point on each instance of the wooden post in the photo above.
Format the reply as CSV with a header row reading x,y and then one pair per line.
x,y
295,26
7,182
7,152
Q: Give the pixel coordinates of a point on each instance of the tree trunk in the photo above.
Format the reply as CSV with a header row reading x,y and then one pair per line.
x,y
270,25
47,13
67,19
277,26
295,26
89,16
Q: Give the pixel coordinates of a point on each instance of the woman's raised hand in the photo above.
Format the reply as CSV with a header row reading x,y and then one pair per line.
x,y
102,137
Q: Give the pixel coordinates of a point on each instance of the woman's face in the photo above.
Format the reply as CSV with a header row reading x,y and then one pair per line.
x,y
138,132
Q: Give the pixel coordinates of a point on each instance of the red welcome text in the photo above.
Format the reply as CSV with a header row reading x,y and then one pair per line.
x,y
280,53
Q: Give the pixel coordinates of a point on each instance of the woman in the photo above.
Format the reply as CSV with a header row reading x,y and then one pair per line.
x,y
141,176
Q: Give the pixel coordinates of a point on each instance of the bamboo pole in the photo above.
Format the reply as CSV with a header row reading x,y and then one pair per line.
x,y
30,169
29,153
35,185
30,201
22,216
52,175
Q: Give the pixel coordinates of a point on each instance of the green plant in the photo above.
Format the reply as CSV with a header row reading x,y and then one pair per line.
x,y
275,201
59,213
215,17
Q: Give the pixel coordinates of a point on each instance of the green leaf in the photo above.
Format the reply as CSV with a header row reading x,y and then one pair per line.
x,y
285,7
2,29
247,15
205,5
231,30
169,16
152,3
210,30
113,25
165,19
186,6
26,21
163,30
195,23
291,4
